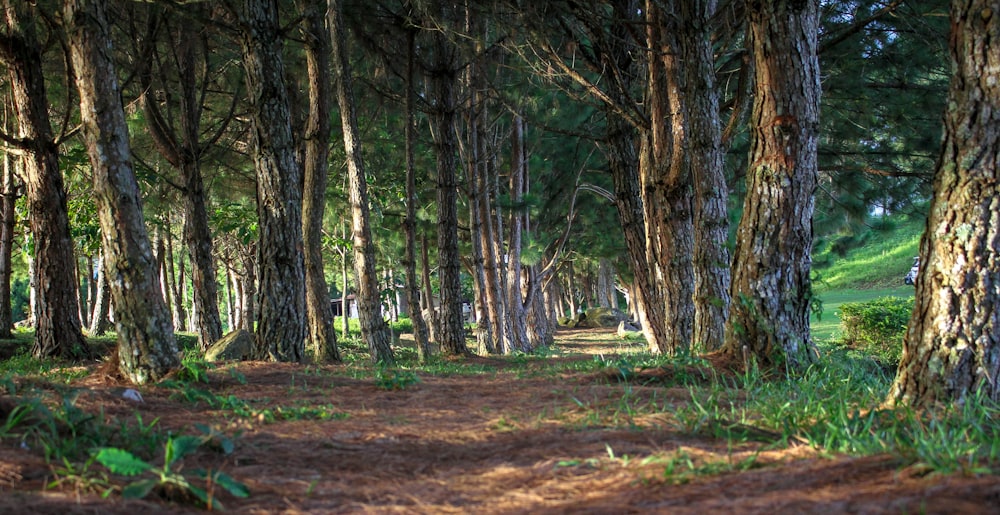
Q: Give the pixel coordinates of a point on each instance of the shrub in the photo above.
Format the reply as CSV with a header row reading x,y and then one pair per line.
x,y
877,326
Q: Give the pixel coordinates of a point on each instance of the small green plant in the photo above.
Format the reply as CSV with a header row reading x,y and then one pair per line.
x,y
194,368
82,478
877,326
395,379
169,478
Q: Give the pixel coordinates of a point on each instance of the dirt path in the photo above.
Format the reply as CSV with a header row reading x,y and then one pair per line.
x,y
514,438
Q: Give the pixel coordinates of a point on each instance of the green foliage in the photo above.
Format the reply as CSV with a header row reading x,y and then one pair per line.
x,y
877,326
169,478
395,379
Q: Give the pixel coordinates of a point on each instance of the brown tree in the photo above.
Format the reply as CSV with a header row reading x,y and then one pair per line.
x,y
58,330
769,316
147,350
373,328
322,337
442,72
951,352
281,327
185,46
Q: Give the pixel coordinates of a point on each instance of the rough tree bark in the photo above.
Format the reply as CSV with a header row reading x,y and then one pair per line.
x,y
951,352
421,333
57,323
769,317
281,327
373,329
322,336
183,149
8,198
705,159
147,350
443,78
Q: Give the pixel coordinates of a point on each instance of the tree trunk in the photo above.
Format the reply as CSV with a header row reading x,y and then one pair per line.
x,y
147,349
321,334
373,328
705,158
951,352
769,318
7,219
184,150
451,335
420,332
431,310
281,327
57,322
176,275
665,176
515,299
99,322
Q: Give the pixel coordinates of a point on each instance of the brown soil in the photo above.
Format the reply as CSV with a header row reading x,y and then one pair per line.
x,y
518,438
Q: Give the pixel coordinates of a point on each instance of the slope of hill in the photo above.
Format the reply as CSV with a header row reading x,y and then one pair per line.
x,y
880,258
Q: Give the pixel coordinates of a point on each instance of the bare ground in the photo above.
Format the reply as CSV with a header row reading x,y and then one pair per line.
x,y
516,438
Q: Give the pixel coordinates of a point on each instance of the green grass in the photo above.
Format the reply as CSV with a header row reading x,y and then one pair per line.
x,y
879,263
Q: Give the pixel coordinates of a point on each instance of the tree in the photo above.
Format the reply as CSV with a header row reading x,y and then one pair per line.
x,y
147,350
951,351
322,337
182,146
281,327
58,330
8,197
772,296
442,74
373,327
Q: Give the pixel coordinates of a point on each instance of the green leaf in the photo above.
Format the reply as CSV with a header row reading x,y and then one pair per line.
x,y
231,485
122,462
179,447
139,489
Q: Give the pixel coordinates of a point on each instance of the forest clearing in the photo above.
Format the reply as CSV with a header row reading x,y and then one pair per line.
x,y
560,433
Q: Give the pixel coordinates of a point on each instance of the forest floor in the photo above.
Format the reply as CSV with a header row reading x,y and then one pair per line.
x,y
513,437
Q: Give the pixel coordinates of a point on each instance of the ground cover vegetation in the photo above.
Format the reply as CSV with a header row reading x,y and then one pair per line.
x,y
421,215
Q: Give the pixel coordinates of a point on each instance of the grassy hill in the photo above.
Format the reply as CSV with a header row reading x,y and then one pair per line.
x,y
873,269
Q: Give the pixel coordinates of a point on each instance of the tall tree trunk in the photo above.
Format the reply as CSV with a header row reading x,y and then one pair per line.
x,y
951,352
420,332
475,166
443,77
184,151
373,328
281,327
665,176
705,158
431,310
176,275
321,334
515,299
57,322
99,322
147,349
769,317
8,199
623,160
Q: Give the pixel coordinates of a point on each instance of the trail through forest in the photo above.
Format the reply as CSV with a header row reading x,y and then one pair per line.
x,y
514,437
